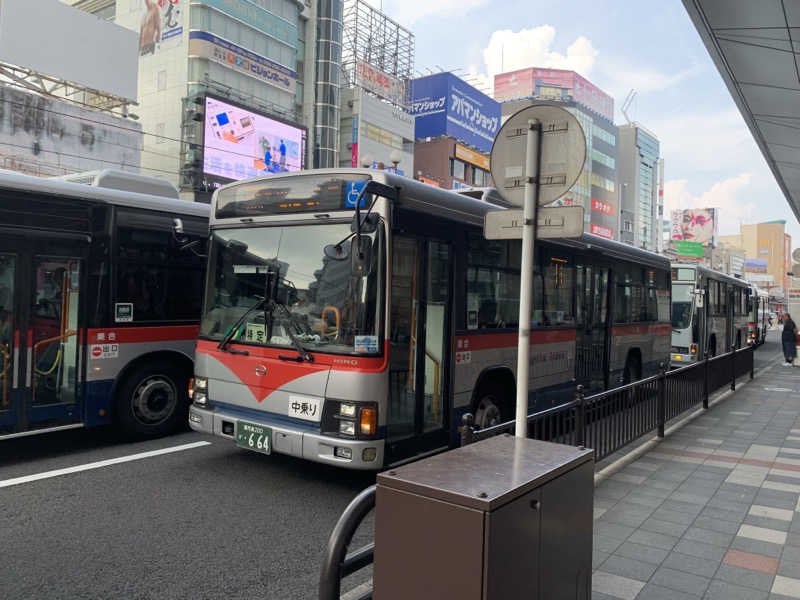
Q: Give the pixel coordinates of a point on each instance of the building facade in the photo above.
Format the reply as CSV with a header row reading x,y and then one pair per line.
x,y
375,133
445,162
454,128
596,189
258,55
767,249
640,179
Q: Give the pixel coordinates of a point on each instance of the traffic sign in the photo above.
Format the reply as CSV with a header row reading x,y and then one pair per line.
x,y
562,155
551,222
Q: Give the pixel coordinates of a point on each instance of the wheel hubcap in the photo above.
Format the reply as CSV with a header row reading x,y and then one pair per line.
x,y
154,400
487,414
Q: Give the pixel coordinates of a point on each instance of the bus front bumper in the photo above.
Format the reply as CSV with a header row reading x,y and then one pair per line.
x,y
294,442
681,360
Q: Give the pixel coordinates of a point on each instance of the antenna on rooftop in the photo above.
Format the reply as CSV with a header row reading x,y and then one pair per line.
x,y
627,104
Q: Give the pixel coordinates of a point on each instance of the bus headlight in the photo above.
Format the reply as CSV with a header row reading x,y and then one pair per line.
x,y
347,410
347,428
200,398
201,383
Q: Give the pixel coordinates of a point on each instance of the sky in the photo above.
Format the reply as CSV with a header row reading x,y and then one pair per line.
x,y
711,159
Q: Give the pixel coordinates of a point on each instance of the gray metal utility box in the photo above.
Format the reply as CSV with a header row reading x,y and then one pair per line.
x,y
500,519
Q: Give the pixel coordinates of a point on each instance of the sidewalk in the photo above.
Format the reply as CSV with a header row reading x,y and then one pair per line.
x,y
713,511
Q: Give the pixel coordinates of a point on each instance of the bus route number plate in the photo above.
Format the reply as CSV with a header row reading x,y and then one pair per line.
x,y
253,437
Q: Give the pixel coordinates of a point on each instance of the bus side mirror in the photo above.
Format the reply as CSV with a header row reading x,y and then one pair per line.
x,y
361,255
699,294
177,231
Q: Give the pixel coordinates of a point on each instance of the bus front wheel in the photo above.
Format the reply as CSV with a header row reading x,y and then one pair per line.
x,y
487,410
152,400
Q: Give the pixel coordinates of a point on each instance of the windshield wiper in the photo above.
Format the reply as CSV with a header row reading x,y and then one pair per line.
x,y
223,344
304,355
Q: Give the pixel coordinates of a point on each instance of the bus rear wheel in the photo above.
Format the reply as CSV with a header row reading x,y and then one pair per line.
x,y
487,410
152,400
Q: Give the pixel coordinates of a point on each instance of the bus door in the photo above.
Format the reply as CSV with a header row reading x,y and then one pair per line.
x,y
420,317
40,358
590,336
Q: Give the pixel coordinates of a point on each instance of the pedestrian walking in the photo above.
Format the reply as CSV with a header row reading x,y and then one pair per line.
x,y
788,339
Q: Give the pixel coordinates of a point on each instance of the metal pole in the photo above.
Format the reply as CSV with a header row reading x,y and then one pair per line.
x,y
705,381
662,399
580,425
526,281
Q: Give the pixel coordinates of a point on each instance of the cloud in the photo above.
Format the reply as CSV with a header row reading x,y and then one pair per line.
x,y
407,12
730,195
511,50
704,143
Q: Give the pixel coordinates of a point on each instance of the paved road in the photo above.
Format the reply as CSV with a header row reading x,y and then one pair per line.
x,y
209,521
206,522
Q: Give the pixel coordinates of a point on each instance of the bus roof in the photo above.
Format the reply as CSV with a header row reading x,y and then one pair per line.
x,y
464,208
129,181
18,182
719,275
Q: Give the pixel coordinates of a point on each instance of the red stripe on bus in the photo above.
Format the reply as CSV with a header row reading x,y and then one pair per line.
x,y
642,328
30,338
337,362
123,335
486,341
16,337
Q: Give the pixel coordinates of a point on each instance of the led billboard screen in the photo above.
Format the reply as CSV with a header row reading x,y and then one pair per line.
x,y
241,143
695,225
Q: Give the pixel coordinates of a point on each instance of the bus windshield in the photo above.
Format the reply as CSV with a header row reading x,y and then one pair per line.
x,y
301,293
681,305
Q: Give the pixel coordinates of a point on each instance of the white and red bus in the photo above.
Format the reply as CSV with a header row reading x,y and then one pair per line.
x,y
366,353
99,304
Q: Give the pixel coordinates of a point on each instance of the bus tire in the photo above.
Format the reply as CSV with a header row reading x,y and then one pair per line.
x,y
489,406
712,346
152,400
633,369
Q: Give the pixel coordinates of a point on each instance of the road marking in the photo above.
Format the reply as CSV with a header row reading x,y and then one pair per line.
x,y
99,464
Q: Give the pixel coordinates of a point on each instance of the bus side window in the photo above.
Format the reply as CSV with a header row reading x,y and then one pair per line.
x,y
559,289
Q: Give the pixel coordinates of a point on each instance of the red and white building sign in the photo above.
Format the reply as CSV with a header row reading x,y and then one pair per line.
x,y
602,231
376,81
602,206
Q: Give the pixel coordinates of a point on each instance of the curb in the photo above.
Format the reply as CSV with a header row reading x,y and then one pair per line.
x,y
643,449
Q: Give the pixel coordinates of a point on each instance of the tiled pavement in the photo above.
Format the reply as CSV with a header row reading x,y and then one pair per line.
x,y
714,510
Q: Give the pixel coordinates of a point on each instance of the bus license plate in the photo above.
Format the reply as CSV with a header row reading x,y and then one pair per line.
x,y
254,437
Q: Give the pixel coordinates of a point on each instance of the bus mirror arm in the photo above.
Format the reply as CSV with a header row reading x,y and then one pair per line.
x,y
177,231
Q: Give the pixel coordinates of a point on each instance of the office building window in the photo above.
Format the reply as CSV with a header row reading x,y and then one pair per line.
x,y
457,169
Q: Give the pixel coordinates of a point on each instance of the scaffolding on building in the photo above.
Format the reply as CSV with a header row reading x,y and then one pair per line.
x,y
62,89
371,37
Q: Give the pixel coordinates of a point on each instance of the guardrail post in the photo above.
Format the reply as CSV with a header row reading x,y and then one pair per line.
x,y
705,382
467,421
580,417
662,399
733,369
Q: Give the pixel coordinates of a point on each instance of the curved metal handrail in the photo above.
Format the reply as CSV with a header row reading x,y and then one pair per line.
x,y
6,354
61,338
337,564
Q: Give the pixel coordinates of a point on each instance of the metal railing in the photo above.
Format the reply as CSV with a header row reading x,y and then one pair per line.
x,y
337,563
605,422
610,420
